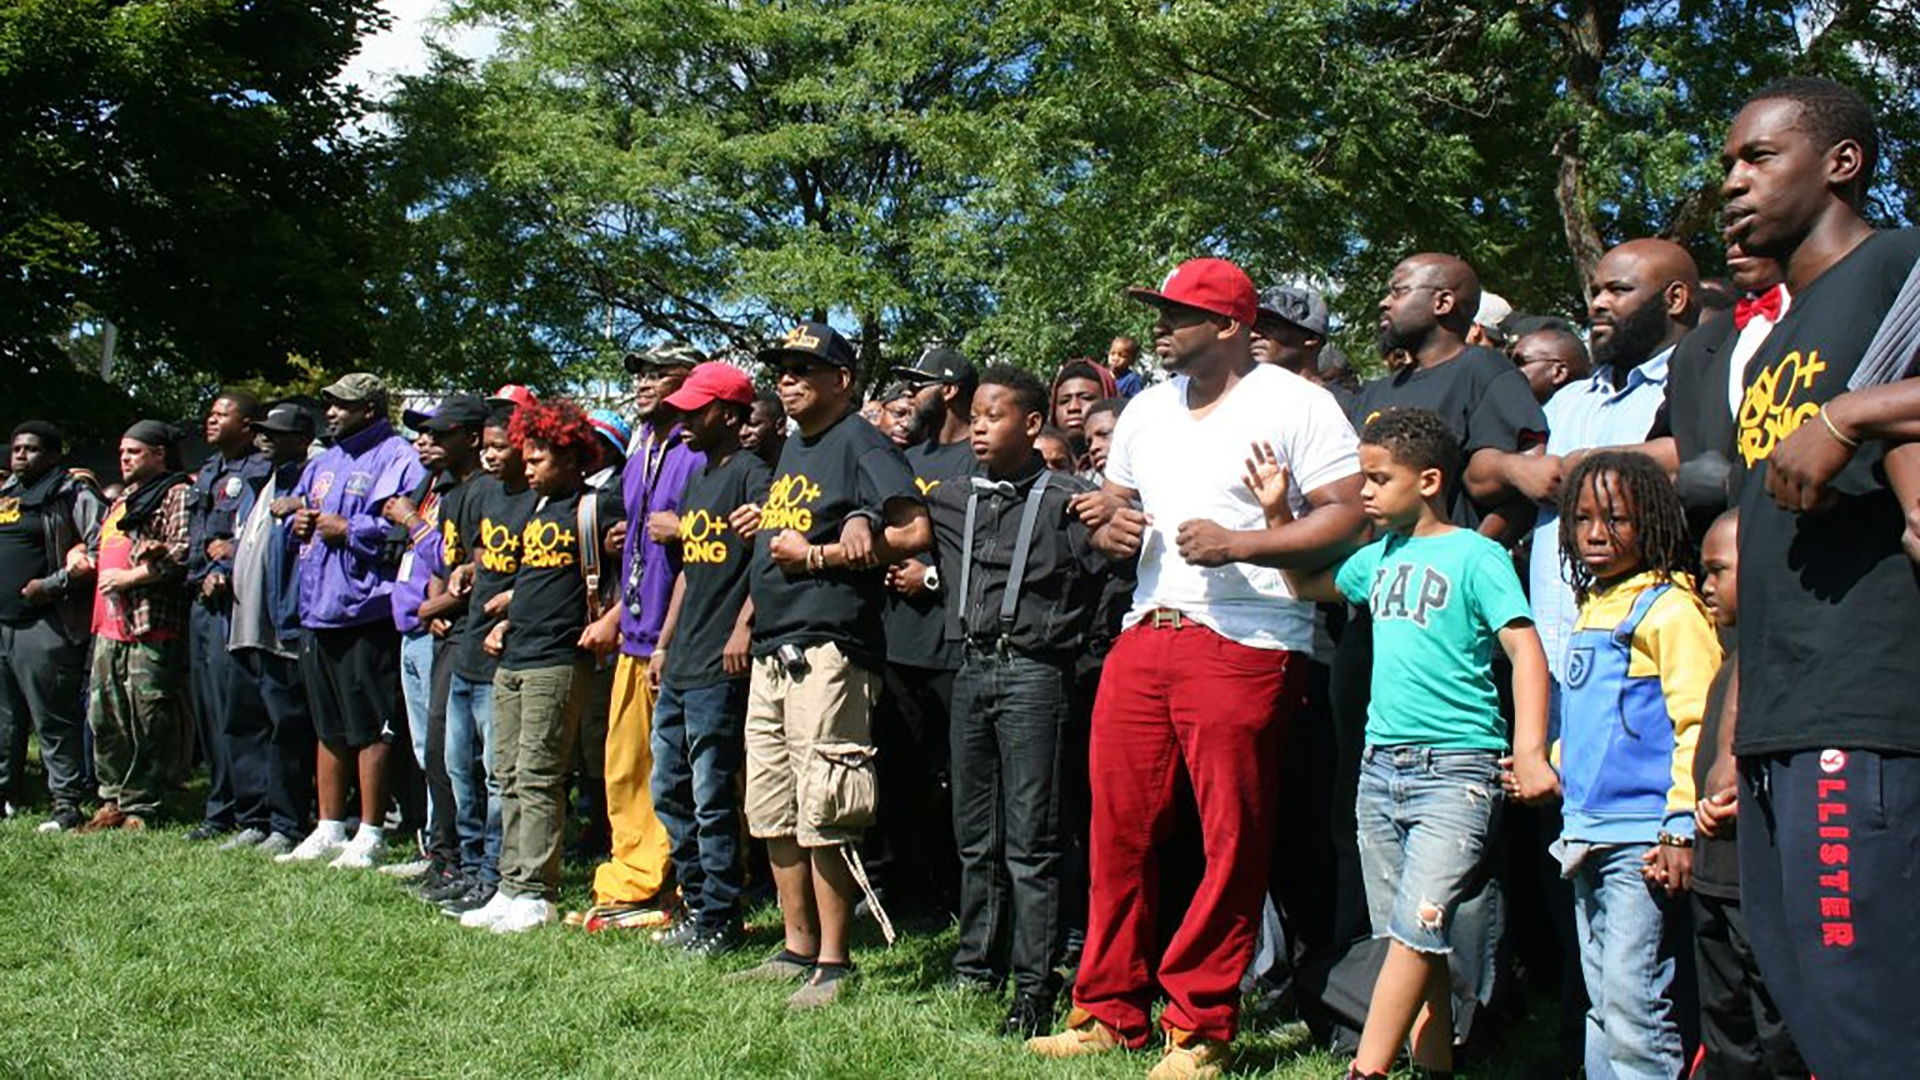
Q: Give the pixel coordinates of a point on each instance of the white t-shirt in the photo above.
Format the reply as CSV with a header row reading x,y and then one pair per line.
x,y
1185,468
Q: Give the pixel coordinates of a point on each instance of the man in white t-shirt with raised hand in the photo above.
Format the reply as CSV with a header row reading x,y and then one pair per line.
x,y
1210,666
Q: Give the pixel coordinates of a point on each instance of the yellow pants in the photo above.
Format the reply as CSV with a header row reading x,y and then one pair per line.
x,y
641,849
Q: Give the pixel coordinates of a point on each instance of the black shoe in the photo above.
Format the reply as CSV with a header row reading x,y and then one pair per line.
x,y
680,934
63,819
206,830
473,899
716,941
1029,1016
449,886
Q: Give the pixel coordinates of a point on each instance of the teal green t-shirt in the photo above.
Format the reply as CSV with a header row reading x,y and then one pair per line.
x,y
1438,604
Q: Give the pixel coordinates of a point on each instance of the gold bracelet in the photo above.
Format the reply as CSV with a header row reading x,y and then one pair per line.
x,y
1851,444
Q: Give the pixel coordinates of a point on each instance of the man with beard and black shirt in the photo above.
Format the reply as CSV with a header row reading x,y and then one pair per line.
x,y
843,504
233,732
1828,739
910,850
45,608
350,661
1641,305
265,634
628,885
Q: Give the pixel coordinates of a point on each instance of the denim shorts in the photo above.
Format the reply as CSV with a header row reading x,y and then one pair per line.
x,y
1426,819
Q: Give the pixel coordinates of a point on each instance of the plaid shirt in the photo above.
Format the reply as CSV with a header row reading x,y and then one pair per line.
x,y
160,608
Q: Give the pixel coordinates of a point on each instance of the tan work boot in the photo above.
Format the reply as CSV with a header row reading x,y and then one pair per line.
x,y
1192,1057
1083,1035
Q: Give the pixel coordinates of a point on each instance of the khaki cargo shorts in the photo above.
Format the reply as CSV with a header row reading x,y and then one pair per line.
x,y
810,772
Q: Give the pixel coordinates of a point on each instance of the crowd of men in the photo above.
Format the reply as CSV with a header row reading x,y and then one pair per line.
x,y
1027,655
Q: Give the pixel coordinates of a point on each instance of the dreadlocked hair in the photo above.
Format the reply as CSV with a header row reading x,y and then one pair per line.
x,y
562,426
1666,546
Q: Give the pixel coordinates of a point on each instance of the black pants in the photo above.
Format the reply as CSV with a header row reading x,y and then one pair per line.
x,y
910,851
290,756
1829,854
1741,1030
442,838
1008,714
236,736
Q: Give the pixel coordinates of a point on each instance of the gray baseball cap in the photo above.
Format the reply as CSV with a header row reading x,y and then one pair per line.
x,y
1297,304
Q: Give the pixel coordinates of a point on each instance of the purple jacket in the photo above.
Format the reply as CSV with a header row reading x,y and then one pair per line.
x,y
351,585
654,479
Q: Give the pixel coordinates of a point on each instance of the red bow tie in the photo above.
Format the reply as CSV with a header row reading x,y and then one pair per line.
x,y
1766,305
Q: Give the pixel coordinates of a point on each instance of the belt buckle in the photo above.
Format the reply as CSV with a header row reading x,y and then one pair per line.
x,y
1166,619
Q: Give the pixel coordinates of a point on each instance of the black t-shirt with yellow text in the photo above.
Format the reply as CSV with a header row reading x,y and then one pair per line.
x,y
549,606
1828,601
489,523
917,625
714,562
817,485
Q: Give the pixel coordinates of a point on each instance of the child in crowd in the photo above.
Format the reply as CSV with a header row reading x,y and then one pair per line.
x,y
541,683
1642,655
1432,771
1742,1034
1025,584
701,662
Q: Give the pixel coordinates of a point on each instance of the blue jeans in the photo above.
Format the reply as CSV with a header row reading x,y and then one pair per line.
x,y
698,748
1009,710
476,787
416,687
1425,818
1628,956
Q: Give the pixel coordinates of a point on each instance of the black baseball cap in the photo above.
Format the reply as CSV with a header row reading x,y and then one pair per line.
x,y
464,411
286,418
810,341
939,364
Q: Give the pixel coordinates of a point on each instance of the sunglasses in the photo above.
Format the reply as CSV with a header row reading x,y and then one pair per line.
x,y
802,369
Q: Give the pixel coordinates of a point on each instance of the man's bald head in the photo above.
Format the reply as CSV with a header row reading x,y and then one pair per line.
x,y
1429,306
1643,298
1550,358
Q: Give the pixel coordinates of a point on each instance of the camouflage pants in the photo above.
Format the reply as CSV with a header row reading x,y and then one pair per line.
x,y
132,709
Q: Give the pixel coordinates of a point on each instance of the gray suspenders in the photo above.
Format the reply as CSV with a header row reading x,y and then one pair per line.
x,y
1017,572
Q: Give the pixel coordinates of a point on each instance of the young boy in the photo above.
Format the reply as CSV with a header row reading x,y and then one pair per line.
x,y
1742,1034
700,664
1026,581
541,683
1440,597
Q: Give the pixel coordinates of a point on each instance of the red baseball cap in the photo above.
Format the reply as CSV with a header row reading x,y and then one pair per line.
x,y
1212,285
513,394
715,380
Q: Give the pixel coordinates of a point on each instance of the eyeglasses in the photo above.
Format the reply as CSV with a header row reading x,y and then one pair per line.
x,y
1398,291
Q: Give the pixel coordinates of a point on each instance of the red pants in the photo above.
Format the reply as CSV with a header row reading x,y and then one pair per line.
x,y
1171,698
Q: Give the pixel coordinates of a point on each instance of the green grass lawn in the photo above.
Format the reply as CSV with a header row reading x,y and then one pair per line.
x,y
139,956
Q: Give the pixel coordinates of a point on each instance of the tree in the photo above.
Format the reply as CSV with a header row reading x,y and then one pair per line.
x,y
186,169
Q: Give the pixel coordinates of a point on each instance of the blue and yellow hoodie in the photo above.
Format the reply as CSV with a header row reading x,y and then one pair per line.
x,y
1642,656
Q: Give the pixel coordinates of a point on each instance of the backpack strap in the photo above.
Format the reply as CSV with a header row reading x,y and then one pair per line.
x,y
587,527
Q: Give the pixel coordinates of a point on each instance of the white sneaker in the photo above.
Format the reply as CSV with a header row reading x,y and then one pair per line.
x,y
407,871
275,845
524,913
245,838
362,852
485,914
325,839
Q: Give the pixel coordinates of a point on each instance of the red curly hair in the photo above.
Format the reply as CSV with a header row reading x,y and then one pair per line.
x,y
562,426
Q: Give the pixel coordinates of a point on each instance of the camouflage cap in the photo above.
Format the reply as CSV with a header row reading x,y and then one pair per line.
x,y
357,387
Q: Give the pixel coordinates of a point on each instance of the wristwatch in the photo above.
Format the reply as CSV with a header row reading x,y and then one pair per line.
x,y
932,579
1668,839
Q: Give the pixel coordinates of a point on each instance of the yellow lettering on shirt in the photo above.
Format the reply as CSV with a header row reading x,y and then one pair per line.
x,y
499,547
926,486
1768,412
701,540
788,502
9,511
545,544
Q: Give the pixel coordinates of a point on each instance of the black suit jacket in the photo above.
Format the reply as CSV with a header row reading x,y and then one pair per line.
x,y
1695,413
